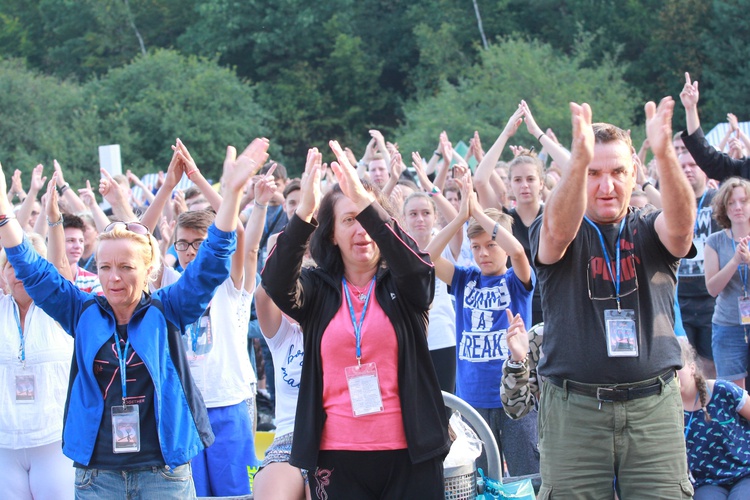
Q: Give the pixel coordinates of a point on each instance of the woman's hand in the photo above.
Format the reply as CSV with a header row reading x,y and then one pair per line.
x,y
350,183
238,169
310,185
52,208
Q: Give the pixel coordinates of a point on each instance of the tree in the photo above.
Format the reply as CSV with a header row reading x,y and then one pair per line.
x,y
43,118
727,61
491,90
163,95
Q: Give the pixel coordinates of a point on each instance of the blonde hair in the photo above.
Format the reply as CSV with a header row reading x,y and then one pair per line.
x,y
475,228
148,247
37,242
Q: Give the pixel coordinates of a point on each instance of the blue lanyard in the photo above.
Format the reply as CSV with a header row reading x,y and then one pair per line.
x,y
607,259
88,261
121,358
194,329
743,276
700,206
358,324
22,354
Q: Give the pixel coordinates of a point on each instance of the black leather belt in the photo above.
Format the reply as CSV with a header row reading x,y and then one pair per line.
x,y
617,392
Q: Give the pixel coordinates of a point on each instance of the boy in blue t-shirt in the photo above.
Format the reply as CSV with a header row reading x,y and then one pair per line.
x,y
482,295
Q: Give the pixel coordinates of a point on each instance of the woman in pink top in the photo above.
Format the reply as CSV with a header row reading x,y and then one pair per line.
x,y
370,417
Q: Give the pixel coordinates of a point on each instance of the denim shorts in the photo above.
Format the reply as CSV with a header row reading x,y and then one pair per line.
x,y
730,351
147,482
280,451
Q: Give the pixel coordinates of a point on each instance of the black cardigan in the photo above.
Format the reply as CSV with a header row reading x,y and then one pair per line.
x,y
404,289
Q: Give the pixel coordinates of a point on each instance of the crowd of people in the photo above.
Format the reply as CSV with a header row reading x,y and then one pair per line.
x,y
542,291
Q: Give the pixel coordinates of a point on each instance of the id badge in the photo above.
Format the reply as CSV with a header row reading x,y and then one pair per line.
x,y
622,338
25,387
744,303
126,429
364,389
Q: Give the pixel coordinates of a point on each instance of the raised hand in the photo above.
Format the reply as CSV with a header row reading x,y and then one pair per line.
x,y
87,195
397,165
58,170
350,183
310,184
16,186
733,122
690,94
517,337
514,122
238,169
517,150
37,180
659,126
468,196
265,187
476,143
583,136
531,125
51,206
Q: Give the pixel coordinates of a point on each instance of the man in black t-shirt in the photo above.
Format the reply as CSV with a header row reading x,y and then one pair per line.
x,y
696,304
610,411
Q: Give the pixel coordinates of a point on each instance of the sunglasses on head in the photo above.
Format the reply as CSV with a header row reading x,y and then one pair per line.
x,y
133,227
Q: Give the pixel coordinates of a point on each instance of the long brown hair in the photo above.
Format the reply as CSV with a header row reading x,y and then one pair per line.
x,y
690,356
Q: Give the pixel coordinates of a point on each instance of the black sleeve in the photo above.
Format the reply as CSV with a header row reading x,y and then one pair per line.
x,y
410,266
282,276
716,164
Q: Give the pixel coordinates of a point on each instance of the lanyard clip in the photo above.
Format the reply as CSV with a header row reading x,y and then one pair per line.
x,y
359,361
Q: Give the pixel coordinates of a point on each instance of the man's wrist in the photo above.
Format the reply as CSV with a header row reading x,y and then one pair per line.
x,y
518,365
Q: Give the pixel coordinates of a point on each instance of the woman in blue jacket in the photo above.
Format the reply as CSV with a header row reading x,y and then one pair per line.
x,y
133,416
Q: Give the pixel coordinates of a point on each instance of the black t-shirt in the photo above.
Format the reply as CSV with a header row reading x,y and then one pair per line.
x,y
692,283
575,345
521,233
140,391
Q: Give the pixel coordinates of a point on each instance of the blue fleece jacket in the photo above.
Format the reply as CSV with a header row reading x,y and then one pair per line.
x,y
154,332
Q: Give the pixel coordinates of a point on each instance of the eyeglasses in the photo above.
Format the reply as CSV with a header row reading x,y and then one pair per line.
x,y
133,227
181,245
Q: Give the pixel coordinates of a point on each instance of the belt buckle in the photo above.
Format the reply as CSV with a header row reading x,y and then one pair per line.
x,y
605,394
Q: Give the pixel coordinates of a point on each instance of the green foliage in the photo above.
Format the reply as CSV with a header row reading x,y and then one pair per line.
x,y
43,118
163,95
727,62
490,91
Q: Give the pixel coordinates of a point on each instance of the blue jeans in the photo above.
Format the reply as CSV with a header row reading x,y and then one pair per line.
x,y
738,491
517,440
144,483
731,351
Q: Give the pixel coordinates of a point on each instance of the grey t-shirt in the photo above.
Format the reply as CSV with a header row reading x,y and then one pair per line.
x,y
727,310
576,291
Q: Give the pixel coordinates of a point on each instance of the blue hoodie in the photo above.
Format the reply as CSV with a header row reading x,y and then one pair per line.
x,y
154,332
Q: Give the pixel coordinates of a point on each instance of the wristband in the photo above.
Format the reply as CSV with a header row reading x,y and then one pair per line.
x,y
437,153
53,224
61,189
539,139
5,218
495,230
434,191
259,205
518,365
645,185
191,172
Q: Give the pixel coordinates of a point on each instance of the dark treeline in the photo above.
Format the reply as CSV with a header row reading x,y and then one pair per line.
x,y
76,74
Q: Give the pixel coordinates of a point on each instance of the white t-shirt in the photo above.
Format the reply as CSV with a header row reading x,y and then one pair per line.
x,y
441,332
48,353
287,349
216,346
